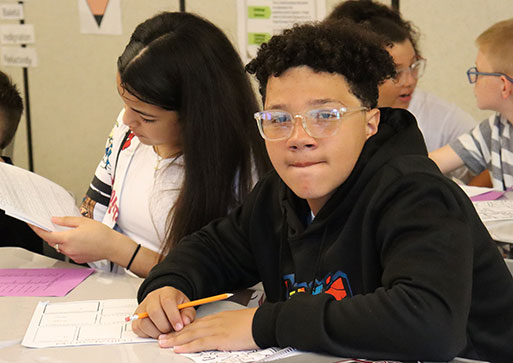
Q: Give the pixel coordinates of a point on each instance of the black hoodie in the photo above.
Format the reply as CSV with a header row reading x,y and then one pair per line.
x,y
396,265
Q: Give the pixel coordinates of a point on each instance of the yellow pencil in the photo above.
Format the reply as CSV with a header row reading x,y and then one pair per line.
x,y
185,305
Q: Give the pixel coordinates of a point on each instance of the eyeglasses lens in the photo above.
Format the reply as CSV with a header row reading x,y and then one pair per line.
x,y
472,75
323,123
416,70
276,125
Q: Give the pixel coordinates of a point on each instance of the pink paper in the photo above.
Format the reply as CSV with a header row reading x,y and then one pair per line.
x,y
491,195
41,281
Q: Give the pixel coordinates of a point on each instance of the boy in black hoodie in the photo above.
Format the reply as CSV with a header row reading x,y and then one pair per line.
x,y
363,247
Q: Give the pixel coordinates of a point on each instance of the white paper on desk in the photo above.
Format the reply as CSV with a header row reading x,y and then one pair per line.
x,y
33,198
90,322
242,356
473,191
239,356
494,210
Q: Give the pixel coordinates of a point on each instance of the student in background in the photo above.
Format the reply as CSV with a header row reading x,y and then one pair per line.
x,y
11,109
489,144
13,232
440,122
364,248
184,150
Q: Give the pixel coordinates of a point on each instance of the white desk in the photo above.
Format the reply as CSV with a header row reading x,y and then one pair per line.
x,y
16,312
501,231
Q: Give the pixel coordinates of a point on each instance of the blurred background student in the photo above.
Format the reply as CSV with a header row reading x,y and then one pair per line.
x,y
439,121
13,232
489,146
184,150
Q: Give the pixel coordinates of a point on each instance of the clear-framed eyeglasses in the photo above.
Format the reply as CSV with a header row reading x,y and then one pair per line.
x,y
416,69
278,125
473,73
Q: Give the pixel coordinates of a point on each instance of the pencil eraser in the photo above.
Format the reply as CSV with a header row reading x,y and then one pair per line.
x,y
127,318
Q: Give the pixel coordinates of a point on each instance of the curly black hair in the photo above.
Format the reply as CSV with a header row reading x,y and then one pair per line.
x,y
342,47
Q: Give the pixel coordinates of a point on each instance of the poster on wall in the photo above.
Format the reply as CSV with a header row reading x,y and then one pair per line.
x,y
259,20
100,16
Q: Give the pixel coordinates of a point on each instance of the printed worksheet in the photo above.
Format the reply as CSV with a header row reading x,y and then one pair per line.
x,y
242,356
33,198
89,322
494,210
95,322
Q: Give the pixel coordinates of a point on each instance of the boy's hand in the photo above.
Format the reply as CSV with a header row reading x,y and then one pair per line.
x,y
228,330
163,314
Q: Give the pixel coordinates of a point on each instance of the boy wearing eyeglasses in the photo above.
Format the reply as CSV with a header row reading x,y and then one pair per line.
x,y
364,249
489,144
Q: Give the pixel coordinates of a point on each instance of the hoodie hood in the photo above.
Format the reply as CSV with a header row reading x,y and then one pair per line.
x,y
304,244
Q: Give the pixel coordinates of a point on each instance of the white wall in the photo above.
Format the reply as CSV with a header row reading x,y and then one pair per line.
x,y
449,29
74,100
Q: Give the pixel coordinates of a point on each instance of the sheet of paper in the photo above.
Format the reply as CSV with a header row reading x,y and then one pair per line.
x,y
494,210
240,356
481,194
491,195
472,191
100,16
95,322
90,322
33,198
257,355
41,281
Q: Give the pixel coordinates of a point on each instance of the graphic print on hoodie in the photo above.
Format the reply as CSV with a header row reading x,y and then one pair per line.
x,y
335,284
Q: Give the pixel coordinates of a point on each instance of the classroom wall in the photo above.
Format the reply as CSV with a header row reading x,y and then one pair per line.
x,y
74,101
448,31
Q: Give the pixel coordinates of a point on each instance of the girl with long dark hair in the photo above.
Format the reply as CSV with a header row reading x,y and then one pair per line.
x,y
184,151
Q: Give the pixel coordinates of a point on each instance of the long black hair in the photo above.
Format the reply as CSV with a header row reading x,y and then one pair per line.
x,y
184,63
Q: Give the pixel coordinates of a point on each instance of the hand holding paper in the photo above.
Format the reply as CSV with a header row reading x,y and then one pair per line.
x,y
84,239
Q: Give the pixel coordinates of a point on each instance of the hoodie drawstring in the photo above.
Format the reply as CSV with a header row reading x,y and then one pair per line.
x,y
281,256
318,259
